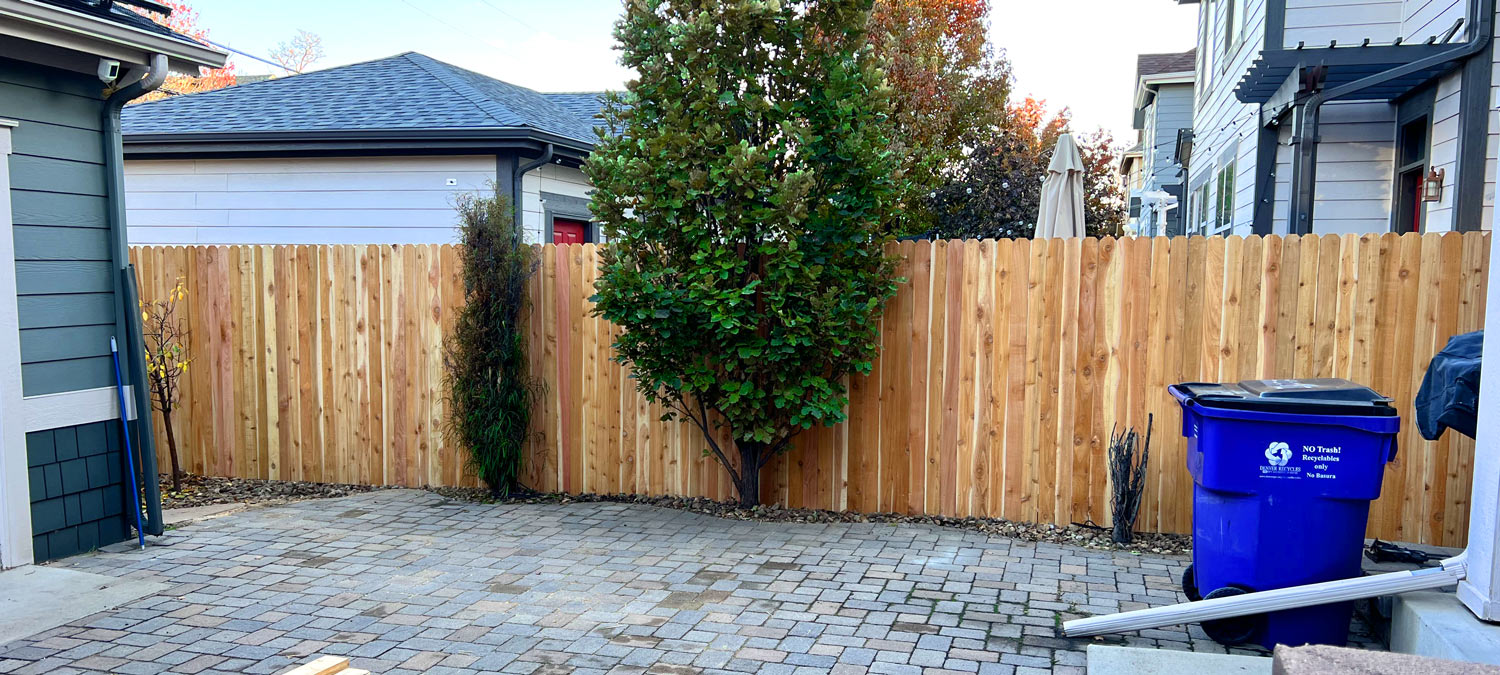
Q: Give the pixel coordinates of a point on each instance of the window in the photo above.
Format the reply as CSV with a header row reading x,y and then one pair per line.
x,y
1199,211
1228,31
1233,31
1205,48
1225,205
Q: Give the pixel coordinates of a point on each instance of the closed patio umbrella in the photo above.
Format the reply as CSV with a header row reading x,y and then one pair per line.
x,y
1062,193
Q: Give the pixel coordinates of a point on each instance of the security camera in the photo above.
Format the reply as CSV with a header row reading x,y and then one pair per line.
x,y
109,70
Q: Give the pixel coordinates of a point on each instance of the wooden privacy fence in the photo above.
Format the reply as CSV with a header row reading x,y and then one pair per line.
x,y
1004,366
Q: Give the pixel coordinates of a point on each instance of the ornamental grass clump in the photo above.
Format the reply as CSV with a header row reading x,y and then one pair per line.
x,y
747,184
1127,477
490,389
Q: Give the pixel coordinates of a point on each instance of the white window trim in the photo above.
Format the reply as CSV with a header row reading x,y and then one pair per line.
x,y
15,486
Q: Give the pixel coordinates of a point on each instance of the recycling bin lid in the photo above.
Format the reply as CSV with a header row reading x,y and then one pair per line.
x,y
1316,396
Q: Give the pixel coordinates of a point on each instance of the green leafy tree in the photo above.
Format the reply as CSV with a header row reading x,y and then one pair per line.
x,y
748,196
490,389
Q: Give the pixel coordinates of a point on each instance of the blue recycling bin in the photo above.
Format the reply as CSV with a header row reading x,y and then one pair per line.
x,y
1283,475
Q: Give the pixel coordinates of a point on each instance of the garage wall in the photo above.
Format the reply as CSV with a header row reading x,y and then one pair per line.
x,y
551,179
315,200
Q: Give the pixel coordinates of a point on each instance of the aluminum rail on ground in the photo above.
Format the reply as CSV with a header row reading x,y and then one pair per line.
x,y
1449,572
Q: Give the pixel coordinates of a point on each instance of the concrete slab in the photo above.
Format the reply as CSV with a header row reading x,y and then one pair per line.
x,y
1438,625
1321,659
37,598
1106,660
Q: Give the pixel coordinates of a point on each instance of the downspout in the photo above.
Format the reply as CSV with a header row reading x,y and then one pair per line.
x,y
1481,18
520,171
127,317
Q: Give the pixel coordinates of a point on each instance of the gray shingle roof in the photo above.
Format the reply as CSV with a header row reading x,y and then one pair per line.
x,y
408,91
583,104
1153,64
121,15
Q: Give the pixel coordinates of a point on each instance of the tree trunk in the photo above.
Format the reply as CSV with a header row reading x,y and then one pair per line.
x,y
166,419
748,485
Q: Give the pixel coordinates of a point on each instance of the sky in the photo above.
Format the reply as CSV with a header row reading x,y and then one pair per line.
x,y
1078,54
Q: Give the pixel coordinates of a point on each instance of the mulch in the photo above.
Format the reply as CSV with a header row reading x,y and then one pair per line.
x,y
206,490
1086,535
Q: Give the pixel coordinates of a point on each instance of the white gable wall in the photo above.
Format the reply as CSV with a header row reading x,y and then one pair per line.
x,y
1355,169
362,200
349,200
1224,128
1317,22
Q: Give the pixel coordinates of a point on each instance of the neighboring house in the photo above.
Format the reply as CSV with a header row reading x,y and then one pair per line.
x,y
1163,111
369,153
66,67
1330,117
1132,178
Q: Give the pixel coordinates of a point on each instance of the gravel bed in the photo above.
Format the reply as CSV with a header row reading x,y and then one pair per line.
x,y
206,490
1076,535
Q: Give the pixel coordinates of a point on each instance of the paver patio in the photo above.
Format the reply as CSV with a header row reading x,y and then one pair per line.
x,y
406,581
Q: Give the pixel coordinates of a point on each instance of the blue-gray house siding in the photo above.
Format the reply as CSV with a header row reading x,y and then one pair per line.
x,y
66,304
64,278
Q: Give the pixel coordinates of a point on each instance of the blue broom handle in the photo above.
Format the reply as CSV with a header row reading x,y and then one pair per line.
x,y
135,492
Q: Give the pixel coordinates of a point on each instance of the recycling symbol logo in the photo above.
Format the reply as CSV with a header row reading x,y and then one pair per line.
x,y
1278,454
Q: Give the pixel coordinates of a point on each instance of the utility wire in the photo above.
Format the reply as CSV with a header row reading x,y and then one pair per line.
x,y
508,15
251,56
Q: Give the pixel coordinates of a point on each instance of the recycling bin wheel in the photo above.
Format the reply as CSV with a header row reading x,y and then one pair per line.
x,y
1234,630
1190,585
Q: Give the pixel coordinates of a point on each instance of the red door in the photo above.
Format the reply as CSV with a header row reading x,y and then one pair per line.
x,y
568,231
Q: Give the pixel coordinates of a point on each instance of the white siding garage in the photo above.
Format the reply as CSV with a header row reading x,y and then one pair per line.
x,y
544,182
361,200
312,159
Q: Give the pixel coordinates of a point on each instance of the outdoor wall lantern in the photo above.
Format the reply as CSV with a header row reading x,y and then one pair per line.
x,y
1432,187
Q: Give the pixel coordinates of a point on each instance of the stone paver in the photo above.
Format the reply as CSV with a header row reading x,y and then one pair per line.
x,y
405,581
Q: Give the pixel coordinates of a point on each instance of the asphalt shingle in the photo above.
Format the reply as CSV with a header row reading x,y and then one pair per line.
x,y
1156,64
584,105
408,91
119,14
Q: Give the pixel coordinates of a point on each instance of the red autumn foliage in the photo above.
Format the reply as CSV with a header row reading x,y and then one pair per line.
x,y
184,20
948,84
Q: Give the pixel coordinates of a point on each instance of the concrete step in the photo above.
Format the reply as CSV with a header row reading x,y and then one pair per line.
x,y
1107,660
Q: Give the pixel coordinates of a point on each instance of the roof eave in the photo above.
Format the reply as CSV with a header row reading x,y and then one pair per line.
x,y
49,24
1147,84
183,143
